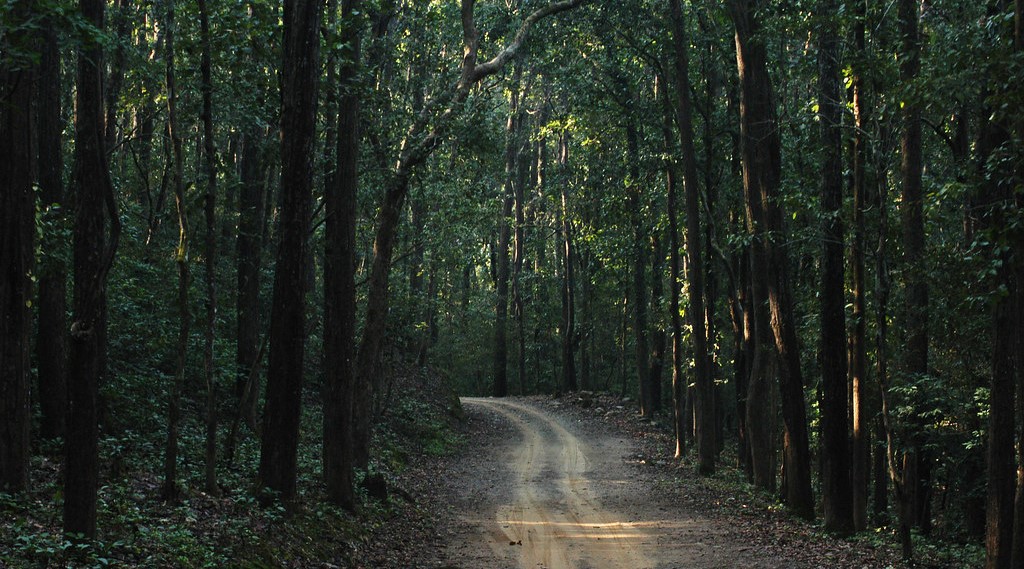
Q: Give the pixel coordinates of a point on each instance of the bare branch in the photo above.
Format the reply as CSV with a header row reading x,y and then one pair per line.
x,y
495,64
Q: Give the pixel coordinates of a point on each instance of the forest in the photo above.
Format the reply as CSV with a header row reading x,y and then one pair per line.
x,y
243,242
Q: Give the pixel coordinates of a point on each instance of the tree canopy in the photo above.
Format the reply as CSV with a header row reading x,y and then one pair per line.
x,y
789,229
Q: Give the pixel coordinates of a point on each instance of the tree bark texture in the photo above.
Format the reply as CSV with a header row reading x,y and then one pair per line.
x,y
640,248
861,440
339,279
249,246
524,162
705,408
995,199
761,149
170,487
210,253
837,496
569,383
278,453
96,233
679,381
512,134
51,346
18,78
658,335
915,313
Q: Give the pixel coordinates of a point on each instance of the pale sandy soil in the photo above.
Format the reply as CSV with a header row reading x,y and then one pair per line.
x,y
553,492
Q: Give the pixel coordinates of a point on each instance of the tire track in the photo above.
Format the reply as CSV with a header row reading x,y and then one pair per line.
x,y
555,515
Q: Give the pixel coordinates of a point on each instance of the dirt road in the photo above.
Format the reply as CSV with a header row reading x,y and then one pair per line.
x,y
547,495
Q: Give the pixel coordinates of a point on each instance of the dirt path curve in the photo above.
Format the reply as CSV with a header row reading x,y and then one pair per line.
x,y
555,514
553,493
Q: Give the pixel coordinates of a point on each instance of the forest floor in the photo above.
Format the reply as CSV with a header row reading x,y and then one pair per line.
x,y
585,483
577,482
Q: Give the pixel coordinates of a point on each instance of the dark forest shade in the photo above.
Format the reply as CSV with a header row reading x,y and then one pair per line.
x,y
837,497
51,346
995,199
301,68
861,436
94,248
339,283
17,235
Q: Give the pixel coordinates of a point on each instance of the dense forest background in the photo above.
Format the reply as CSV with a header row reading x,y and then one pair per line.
x,y
790,227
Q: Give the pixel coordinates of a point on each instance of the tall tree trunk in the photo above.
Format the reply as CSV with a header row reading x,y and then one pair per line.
x,y
586,317
658,335
170,487
707,449
679,381
248,253
861,442
51,346
94,247
1000,459
915,358
1018,126
569,383
640,253
761,150
523,164
837,496
883,292
278,453
512,126
743,328
996,197
118,67
210,250
18,77
711,250
339,279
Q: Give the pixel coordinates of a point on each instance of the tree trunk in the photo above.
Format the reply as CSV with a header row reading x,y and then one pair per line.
x,y
883,292
658,336
679,381
210,250
761,410
1000,459
51,346
772,288
915,357
170,487
568,325
745,347
512,126
707,448
1018,532
18,77
94,247
522,165
640,252
837,496
249,246
586,317
711,250
339,280
995,198
118,65
861,442
278,453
